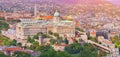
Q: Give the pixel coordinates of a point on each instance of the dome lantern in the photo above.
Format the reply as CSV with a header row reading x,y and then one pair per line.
x,y
56,14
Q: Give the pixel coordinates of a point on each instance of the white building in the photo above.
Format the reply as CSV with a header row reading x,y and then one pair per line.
x,y
59,47
56,25
10,33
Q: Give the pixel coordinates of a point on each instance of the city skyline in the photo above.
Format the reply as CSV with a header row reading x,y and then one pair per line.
x,y
59,28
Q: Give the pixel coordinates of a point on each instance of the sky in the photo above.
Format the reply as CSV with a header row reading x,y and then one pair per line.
x,y
115,1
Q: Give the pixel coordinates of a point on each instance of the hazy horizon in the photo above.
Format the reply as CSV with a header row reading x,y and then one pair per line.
x,y
115,1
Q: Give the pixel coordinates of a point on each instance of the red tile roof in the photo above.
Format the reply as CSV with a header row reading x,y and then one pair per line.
x,y
47,17
13,49
93,32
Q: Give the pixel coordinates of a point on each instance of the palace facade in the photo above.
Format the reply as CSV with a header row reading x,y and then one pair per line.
x,y
56,25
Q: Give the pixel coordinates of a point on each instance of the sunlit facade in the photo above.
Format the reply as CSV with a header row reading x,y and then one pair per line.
x,y
29,27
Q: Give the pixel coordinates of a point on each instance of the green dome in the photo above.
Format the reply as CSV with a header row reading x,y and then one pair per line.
x,y
56,14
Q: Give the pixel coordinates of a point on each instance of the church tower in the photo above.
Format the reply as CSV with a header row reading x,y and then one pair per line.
x,y
35,10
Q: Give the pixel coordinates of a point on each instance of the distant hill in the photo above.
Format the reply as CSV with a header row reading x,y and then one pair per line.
x,y
116,2
89,2
62,2
28,5
72,2
83,2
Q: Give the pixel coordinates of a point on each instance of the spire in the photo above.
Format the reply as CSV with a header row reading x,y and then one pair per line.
x,y
35,10
53,5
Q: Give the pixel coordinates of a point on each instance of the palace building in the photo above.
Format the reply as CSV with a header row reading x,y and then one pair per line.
x,y
56,25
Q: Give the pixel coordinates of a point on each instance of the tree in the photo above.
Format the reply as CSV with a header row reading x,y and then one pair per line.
x,y
102,53
19,44
48,36
45,48
36,43
59,40
1,18
62,54
52,41
32,40
73,48
49,53
56,34
53,53
66,41
28,39
116,41
35,36
3,55
88,50
31,47
21,54
7,42
4,25
50,32
44,36
79,29
40,33
34,46
92,38
14,42
116,36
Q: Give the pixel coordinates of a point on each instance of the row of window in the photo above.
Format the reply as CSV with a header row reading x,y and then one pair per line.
x,y
66,31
